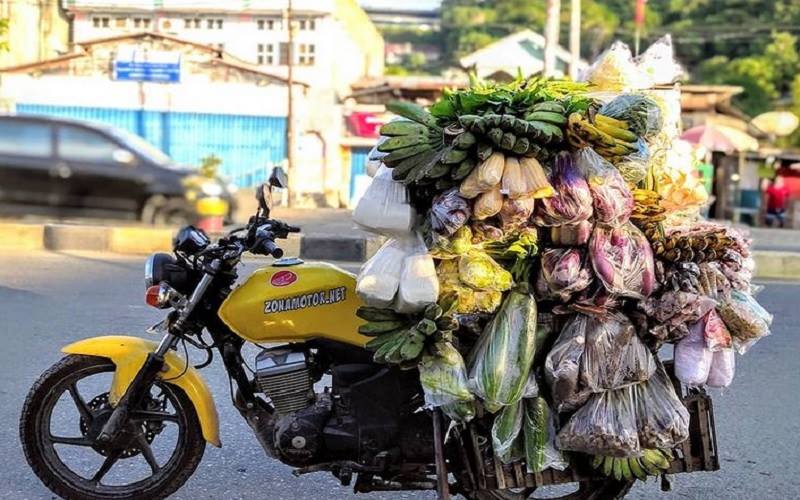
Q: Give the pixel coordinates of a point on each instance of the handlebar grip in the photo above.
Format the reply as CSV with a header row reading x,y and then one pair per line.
x,y
270,248
292,229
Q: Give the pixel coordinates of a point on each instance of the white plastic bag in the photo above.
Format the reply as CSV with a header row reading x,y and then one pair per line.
x,y
419,285
658,62
384,208
692,357
379,279
723,367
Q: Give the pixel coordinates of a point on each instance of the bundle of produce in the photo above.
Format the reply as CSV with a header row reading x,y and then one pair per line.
x,y
563,272
571,234
623,261
606,135
648,214
501,362
443,377
562,367
449,212
539,434
677,181
746,320
640,114
651,462
573,200
662,419
404,338
479,269
699,244
612,200
384,208
671,312
515,251
696,364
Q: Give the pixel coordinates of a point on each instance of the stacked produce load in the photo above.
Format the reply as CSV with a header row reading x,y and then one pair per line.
x,y
543,243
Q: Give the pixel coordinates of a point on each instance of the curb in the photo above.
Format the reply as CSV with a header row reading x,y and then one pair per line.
x,y
142,241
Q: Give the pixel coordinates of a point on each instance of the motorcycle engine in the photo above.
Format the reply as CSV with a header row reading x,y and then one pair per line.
x,y
284,376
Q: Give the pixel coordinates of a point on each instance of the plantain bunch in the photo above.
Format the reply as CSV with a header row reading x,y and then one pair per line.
x,y
652,462
648,214
609,137
698,248
402,339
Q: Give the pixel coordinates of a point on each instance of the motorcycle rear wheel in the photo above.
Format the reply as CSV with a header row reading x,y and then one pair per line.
x,y
38,441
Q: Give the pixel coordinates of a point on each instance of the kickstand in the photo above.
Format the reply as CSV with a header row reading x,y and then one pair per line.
x,y
442,486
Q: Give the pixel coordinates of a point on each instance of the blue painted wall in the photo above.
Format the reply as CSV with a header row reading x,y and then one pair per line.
x,y
248,145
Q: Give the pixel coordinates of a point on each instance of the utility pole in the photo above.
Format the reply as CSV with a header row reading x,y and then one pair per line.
x,y
574,38
638,20
290,159
551,36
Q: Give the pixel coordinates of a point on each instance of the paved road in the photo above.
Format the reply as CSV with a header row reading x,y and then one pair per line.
x,y
50,299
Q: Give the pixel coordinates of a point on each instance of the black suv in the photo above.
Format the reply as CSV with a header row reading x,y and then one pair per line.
x,y
74,168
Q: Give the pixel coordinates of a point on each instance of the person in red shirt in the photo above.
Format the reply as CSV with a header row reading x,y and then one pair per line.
x,y
777,195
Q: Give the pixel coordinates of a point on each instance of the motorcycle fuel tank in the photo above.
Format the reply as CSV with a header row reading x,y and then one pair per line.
x,y
295,303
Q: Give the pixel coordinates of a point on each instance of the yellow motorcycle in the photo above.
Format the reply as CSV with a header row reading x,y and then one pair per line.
x,y
122,417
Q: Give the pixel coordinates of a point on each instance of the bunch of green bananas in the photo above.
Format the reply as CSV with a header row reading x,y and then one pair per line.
x,y
526,136
609,137
402,339
651,463
422,152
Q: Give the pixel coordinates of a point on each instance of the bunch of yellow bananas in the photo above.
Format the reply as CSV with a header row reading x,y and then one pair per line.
x,y
648,213
651,463
609,137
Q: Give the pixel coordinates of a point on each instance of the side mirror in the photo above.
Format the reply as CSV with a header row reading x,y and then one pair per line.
x,y
123,156
278,178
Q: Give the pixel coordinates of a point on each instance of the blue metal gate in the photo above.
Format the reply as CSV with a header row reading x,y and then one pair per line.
x,y
249,146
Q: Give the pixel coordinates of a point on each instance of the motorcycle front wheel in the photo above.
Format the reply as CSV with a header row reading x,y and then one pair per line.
x,y
65,409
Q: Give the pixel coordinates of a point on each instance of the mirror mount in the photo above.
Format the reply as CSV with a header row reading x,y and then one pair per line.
x,y
277,179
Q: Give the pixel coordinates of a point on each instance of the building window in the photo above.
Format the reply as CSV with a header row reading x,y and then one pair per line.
x,y
265,54
121,22
214,23
191,22
306,55
268,24
141,23
307,24
101,22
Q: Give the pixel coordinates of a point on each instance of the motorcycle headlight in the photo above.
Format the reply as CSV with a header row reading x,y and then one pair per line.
x,y
164,268
211,188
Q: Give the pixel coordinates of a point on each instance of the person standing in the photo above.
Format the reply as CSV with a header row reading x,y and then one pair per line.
x,y
777,195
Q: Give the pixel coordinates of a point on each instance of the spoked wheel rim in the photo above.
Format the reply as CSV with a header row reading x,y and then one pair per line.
x,y
163,408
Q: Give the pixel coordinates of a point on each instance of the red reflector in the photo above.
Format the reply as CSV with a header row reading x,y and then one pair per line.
x,y
151,296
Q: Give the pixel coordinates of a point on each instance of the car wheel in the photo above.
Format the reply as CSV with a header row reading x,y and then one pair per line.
x,y
151,207
174,212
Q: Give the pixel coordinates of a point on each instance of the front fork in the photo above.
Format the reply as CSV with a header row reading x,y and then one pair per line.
x,y
140,385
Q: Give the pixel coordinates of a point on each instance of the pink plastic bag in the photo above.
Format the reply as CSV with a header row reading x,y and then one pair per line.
x,y
623,260
723,367
692,357
611,198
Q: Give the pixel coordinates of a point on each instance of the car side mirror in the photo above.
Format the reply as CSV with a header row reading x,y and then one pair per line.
x,y
278,178
124,156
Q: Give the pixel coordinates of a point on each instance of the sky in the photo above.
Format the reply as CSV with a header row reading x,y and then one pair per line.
x,y
410,4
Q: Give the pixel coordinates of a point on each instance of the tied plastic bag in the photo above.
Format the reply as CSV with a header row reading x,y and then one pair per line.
x,y
539,434
605,425
444,381
642,114
449,212
716,333
418,283
692,357
562,366
662,419
384,208
658,62
723,368
563,273
613,357
481,272
616,70
623,260
612,200
746,320
506,428
502,359
379,279
572,201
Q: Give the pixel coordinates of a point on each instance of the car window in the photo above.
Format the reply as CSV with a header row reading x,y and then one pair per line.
x,y
85,145
19,137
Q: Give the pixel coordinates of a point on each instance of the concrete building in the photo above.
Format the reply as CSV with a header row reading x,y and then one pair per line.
x,y
36,31
335,44
522,51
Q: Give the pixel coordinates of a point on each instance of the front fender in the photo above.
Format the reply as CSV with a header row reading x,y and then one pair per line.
x,y
128,355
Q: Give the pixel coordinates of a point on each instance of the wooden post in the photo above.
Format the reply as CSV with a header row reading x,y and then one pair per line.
x,y
551,36
442,486
574,38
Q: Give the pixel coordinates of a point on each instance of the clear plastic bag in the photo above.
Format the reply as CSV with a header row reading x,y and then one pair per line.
x,y
723,368
572,200
501,361
444,381
419,285
571,234
449,212
563,272
613,356
641,113
562,366
662,419
488,204
539,434
616,70
746,320
506,428
658,62
673,311
692,357
605,425
384,208
612,200
516,212
379,279
623,260
481,272
716,333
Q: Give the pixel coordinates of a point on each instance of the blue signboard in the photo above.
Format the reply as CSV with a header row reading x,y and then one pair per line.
x,y
146,71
